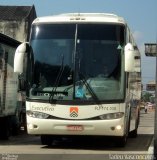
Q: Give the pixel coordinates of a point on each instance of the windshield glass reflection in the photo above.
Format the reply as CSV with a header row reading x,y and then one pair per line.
x,y
92,64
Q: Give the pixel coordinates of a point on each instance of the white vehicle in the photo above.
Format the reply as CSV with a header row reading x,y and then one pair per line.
x,y
83,76
10,106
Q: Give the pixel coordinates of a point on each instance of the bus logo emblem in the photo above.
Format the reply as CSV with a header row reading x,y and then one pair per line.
x,y
73,111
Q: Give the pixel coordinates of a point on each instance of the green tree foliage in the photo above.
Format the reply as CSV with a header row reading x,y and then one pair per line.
x,y
146,96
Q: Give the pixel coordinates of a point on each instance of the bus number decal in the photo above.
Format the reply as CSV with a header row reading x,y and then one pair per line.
x,y
104,108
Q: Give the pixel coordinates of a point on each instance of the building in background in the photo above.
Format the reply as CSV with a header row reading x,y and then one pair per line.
x,y
150,86
15,21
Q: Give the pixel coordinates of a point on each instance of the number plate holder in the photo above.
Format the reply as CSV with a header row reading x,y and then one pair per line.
x,y
75,128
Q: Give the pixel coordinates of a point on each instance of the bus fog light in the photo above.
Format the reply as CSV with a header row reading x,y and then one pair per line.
x,y
119,127
32,126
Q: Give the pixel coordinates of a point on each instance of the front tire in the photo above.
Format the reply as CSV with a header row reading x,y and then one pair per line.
x,y
121,141
46,140
133,134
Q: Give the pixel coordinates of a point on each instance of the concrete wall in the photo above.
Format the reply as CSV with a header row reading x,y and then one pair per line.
x,y
18,29
14,29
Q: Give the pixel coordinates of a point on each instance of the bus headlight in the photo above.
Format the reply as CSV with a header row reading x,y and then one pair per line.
x,y
35,114
108,116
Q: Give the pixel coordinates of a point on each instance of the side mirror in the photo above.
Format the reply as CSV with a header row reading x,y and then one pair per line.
x,y
129,58
19,57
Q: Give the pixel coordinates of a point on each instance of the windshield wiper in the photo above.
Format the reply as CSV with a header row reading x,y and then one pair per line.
x,y
53,92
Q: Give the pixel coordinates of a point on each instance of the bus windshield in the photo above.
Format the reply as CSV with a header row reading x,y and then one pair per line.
x,y
72,61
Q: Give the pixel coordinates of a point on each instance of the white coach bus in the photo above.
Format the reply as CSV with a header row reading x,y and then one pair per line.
x,y
83,77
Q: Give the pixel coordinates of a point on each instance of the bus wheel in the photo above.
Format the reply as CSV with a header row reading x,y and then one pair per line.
x,y
121,141
46,140
133,134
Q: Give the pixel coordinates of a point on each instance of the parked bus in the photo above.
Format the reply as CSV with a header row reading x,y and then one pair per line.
x,y
83,77
12,112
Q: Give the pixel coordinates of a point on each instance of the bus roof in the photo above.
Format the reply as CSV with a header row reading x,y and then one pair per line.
x,y
81,18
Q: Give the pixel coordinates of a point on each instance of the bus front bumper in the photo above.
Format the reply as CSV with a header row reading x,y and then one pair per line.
x,y
114,127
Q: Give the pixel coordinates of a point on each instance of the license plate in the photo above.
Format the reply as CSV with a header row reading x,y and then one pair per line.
x,y
75,128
